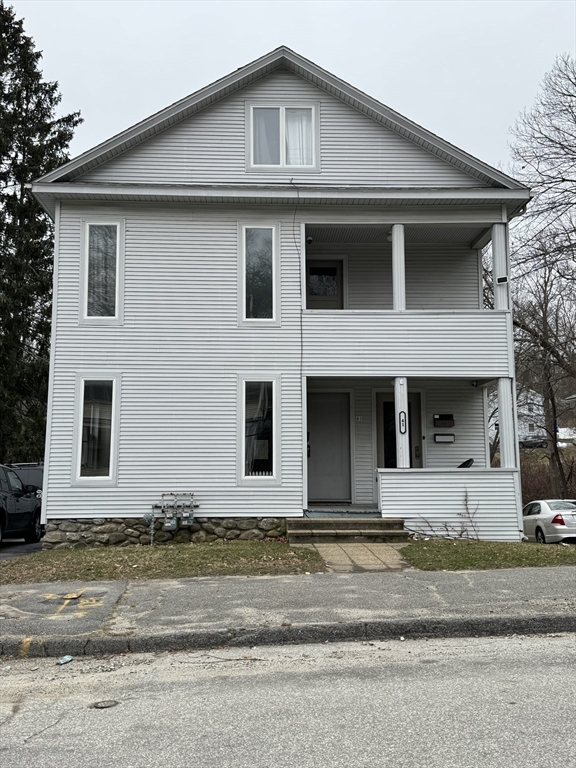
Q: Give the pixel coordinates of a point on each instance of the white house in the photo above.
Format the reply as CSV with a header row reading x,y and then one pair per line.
x,y
270,294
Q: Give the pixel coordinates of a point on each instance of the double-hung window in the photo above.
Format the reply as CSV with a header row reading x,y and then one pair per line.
x,y
102,272
282,136
97,429
259,274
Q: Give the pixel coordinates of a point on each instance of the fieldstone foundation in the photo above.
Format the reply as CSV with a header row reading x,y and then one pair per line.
x,y
122,532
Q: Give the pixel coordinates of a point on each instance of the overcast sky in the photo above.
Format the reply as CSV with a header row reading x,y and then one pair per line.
x,y
464,69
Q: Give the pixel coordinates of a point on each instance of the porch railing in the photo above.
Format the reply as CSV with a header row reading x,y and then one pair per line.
x,y
469,503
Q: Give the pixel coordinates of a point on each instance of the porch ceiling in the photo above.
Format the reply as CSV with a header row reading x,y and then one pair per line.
x,y
415,234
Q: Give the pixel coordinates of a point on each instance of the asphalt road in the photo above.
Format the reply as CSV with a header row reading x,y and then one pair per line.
x,y
461,703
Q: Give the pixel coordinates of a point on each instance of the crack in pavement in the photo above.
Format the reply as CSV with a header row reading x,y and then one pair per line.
x,y
47,728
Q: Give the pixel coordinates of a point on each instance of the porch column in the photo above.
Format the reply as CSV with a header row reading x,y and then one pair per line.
x,y
506,423
500,270
402,425
398,268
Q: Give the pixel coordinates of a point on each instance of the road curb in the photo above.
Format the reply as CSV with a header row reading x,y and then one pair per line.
x,y
293,634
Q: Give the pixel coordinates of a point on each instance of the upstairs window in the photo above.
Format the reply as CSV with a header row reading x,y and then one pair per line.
x,y
283,137
259,275
102,272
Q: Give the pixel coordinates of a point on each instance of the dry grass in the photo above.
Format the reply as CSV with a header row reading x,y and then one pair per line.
x,y
443,555
235,558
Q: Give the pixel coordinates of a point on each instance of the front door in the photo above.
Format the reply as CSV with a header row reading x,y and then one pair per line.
x,y
386,430
329,447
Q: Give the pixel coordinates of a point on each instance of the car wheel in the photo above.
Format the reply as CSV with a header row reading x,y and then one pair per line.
x,y
520,445
540,538
34,534
1,530
544,444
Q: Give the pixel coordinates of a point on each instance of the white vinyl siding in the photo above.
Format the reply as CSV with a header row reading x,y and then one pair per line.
x,y
475,503
210,147
181,351
410,343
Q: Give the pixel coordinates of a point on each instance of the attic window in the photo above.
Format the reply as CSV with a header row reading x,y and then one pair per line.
x,y
282,137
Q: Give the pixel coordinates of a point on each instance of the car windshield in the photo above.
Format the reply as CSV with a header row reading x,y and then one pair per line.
x,y
558,505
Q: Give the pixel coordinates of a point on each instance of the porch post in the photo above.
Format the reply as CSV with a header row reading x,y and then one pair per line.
x,y
402,425
506,422
500,271
398,268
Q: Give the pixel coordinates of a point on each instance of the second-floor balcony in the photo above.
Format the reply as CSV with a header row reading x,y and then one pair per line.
x,y
413,343
383,299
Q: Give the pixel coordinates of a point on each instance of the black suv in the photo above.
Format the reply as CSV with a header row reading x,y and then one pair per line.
x,y
20,508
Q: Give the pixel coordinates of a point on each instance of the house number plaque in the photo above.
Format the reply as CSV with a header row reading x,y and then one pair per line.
x,y
402,422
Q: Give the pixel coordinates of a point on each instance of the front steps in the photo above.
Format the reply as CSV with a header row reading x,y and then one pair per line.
x,y
330,530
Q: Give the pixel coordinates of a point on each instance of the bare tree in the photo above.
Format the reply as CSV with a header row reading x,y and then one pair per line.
x,y
545,320
544,149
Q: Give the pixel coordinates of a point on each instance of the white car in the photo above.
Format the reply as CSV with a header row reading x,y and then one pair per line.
x,y
550,521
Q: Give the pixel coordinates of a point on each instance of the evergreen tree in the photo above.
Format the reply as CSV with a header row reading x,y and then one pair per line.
x,y
33,141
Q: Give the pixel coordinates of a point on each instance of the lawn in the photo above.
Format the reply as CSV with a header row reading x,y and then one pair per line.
x,y
235,558
460,555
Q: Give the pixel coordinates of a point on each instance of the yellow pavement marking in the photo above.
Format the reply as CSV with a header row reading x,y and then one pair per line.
x,y
24,647
86,604
66,599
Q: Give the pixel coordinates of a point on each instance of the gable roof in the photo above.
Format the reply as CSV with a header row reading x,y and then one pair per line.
x,y
281,57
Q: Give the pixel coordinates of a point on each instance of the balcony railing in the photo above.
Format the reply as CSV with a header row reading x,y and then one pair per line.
x,y
410,343
470,503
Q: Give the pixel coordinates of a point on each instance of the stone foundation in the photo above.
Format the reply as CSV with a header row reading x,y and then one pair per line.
x,y
122,532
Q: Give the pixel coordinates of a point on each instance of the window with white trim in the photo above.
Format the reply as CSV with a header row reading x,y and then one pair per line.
x,y
283,136
96,445
102,272
259,429
259,274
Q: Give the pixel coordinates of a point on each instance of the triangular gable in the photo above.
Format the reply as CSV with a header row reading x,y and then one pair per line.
x,y
210,148
283,59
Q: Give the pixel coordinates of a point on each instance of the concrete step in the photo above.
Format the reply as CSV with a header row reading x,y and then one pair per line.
x,y
345,523
332,530
346,537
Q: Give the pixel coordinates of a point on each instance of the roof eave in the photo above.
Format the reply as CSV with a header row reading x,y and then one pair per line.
x,y
48,193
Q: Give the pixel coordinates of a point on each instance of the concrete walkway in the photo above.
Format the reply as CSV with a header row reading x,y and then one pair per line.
x,y
93,618
357,558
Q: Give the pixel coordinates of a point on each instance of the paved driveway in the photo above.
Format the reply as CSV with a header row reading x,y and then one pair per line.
x,y
16,548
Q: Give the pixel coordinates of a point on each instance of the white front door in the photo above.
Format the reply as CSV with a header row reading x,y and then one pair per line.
x,y
329,447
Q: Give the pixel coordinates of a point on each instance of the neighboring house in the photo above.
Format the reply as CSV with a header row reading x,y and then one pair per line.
x,y
531,416
270,294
